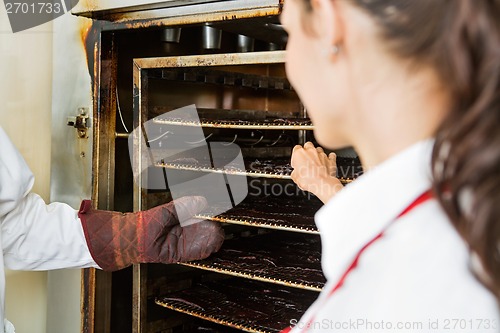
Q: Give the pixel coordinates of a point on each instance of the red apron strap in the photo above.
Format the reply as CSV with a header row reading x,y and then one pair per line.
x,y
427,195
420,200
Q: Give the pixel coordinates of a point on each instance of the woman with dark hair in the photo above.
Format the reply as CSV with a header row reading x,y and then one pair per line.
x,y
413,245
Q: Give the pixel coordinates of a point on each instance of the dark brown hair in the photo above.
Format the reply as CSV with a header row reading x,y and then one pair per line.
x,y
460,39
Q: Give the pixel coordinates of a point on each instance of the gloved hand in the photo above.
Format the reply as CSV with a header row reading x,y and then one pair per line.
x,y
117,240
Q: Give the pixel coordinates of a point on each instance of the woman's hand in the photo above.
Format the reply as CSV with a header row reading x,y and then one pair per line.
x,y
315,172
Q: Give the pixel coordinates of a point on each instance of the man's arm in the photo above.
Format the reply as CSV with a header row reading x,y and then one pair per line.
x,y
37,236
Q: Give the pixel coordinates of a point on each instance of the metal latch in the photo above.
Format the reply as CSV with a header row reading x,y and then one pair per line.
x,y
81,122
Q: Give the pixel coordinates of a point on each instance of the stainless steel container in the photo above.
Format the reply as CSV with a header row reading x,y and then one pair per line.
x,y
211,37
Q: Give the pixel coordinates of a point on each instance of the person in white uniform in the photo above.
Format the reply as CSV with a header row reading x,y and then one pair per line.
x,y
412,245
37,236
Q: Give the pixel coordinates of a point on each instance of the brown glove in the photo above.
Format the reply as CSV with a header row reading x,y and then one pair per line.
x,y
117,240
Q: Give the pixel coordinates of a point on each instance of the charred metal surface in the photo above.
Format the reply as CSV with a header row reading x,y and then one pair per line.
x,y
140,99
95,299
101,58
227,59
249,17
103,7
139,289
88,300
91,35
180,15
127,21
139,299
104,148
91,39
104,121
103,296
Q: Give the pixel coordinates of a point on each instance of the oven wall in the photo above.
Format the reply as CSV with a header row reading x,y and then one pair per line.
x,y
71,161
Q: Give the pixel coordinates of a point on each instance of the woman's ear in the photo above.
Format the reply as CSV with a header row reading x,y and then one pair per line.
x,y
327,22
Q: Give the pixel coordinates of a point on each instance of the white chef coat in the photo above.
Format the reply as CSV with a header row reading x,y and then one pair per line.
x,y
34,235
416,278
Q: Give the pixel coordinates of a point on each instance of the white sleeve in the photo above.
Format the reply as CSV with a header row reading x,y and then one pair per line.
x,y
34,235
16,179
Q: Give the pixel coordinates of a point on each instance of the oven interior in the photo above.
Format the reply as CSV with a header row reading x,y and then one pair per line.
x,y
268,271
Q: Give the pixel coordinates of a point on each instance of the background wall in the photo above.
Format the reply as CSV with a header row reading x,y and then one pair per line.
x,y
25,114
44,79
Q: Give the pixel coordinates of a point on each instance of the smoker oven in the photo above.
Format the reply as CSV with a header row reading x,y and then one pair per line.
x,y
227,58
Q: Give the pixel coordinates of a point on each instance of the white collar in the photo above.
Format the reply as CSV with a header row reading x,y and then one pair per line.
x,y
365,207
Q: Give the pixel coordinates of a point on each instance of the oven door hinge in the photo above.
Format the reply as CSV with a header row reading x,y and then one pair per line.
x,y
81,122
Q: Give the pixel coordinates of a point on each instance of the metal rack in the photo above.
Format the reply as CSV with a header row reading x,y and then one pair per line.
x,y
250,306
273,174
272,213
292,263
228,71
271,124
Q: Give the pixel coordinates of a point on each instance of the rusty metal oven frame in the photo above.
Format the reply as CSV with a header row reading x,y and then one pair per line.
x,y
140,76
165,15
